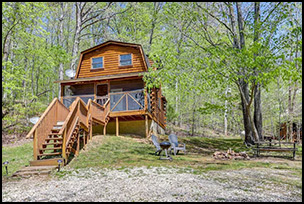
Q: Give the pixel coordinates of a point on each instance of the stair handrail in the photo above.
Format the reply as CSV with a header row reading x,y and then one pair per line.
x,y
69,136
73,110
106,103
66,130
44,115
107,108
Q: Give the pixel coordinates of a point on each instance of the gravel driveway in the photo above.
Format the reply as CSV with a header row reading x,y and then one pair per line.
x,y
158,184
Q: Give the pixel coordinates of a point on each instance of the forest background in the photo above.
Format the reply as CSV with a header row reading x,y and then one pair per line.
x,y
224,66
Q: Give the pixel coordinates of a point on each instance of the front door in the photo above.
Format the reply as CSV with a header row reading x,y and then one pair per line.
x,y
102,93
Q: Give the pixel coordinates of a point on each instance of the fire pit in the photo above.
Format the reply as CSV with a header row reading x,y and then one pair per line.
x,y
165,146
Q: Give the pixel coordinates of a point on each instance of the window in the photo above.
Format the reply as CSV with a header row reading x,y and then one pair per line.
x,y
125,60
97,62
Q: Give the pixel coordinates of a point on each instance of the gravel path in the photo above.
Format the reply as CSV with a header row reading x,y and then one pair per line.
x,y
158,184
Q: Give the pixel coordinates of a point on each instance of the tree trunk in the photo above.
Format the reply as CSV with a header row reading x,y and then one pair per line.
x,y
246,117
176,102
61,43
76,37
257,117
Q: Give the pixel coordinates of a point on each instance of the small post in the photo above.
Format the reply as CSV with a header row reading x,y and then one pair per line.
x,y
5,164
78,141
146,124
91,126
104,130
59,161
64,145
117,127
146,100
35,145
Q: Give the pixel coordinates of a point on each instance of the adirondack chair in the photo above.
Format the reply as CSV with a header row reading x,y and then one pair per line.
x,y
175,145
156,144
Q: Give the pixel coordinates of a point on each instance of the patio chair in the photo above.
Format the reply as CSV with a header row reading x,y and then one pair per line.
x,y
175,145
156,144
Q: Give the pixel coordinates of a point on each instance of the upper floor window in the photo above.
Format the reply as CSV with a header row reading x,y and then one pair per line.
x,y
97,62
125,59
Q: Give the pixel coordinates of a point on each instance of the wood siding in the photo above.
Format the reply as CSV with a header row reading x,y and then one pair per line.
x,y
111,61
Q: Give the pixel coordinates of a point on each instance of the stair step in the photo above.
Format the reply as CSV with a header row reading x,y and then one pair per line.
x,y
54,133
53,143
57,127
50,154
45,162
35,168
60,123
27,174
51,148
54,138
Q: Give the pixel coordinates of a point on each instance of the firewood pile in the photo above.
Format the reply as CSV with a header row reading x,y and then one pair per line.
x,y
230,154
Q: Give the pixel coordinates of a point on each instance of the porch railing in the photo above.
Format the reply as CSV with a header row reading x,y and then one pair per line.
x,y
68,100
120,101
101,100
127,101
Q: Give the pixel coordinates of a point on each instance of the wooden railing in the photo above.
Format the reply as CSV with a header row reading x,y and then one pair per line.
x,y
68,100
56,111
128,100
69,136
98,112
78,113
101,100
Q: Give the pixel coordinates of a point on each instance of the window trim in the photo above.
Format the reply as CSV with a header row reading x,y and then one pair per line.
x,y
127,65
97,63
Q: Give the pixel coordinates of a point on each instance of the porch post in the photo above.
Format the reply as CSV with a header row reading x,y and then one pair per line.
x,y
147,128
95,91
61,93
146,100
117,127
105,129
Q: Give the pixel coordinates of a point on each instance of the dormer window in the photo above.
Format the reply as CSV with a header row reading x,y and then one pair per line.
x,y
97,63
125,60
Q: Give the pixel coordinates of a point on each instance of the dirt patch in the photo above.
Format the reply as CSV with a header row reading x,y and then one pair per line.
x,y
13,140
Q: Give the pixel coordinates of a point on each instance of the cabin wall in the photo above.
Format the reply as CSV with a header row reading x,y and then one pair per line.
x,y
111,53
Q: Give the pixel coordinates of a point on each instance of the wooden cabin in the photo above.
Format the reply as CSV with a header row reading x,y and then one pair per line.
x,y
106,96
113,72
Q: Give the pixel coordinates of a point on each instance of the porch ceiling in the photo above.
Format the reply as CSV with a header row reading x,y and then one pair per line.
x,y
98,78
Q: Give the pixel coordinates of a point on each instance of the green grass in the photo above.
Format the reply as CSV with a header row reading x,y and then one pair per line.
x,y
122,152
17,157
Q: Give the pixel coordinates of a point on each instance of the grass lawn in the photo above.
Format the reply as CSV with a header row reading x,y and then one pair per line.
x,y
124,151
17,157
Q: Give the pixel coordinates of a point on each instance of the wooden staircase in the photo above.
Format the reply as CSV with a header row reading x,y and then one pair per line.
x,y
29,171
60,130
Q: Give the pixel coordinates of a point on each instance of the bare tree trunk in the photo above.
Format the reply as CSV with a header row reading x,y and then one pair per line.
x,y
61,42
176,101
257,117
76,36
193,115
